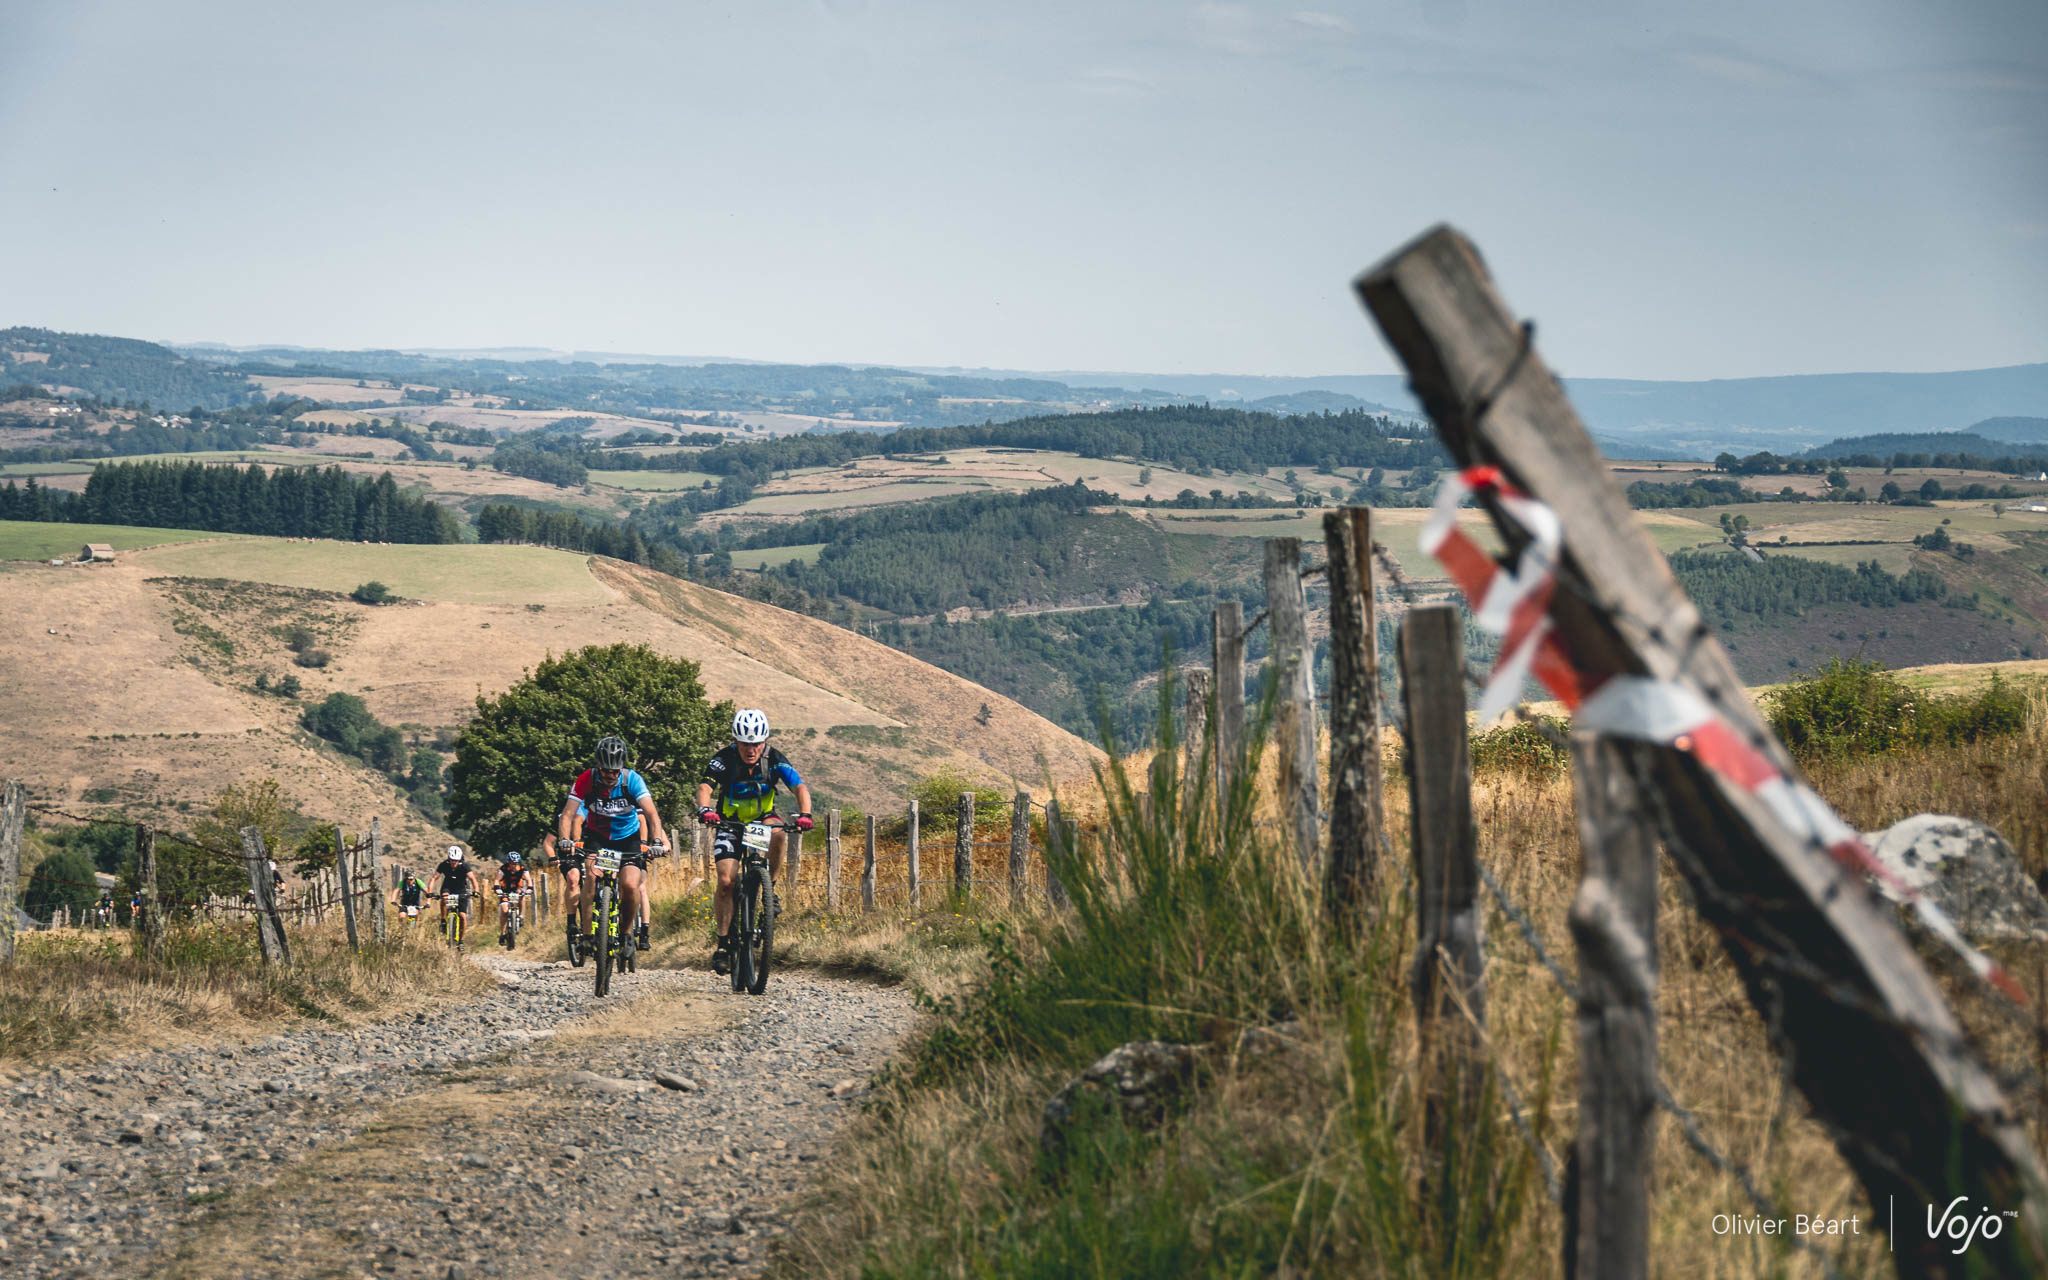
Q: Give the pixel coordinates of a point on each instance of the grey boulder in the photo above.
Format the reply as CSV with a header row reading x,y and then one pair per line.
x,y
1968,870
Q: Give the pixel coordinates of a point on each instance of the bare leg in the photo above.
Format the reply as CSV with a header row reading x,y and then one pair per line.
x,y
629,898
728,881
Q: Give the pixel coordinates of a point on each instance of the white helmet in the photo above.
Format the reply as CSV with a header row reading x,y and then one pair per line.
x,y
454,853
750,726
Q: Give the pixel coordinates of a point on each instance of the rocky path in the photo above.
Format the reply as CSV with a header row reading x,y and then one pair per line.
x,y
520,1135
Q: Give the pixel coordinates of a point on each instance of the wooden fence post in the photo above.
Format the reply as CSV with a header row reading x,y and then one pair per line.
x,y
916,895
700,851
963,849
269,928
1867,1035
1448,980
151,926
13,816
380,927
796,863
1195,735
1055,838
1227,645
1293,664
345,874
867,870
1356,814
1020,848
832,860
1614,923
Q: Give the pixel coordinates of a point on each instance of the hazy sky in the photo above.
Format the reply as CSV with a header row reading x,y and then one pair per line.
x,y
1672,190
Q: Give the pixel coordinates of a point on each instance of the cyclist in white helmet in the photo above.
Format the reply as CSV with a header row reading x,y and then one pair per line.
x,y
451,880
739,786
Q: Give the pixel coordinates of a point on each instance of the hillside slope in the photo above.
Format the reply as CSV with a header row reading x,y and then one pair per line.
x,y
134,682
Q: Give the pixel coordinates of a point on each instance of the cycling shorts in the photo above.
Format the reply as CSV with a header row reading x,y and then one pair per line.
x,y
725,846
628,845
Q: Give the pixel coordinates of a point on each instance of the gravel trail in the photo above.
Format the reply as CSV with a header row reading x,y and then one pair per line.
x,y
522,1134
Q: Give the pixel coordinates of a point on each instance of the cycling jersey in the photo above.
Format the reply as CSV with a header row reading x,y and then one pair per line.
x,y
511,879
410,893
454,876
745,793
615,814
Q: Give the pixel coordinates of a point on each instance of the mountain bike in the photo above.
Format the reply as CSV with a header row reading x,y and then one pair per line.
x,y
753,908
610,945
452,918
511,914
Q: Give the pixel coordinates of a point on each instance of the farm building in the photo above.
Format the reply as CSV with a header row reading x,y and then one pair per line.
x,y
96,551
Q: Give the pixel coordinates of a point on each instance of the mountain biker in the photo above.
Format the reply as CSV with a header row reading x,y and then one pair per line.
x,y
513,884
410,895
743,776
616,803
451,880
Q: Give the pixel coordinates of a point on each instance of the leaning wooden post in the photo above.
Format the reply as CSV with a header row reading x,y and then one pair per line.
x,y
1020,848
1055,840
795,860
1356,815
832,860
867,870
1614,923
1293,663
13,815
269,929
1448,979
540,895
1864,1031
1227,642
151,925
963,849
345,873
916,895
380,927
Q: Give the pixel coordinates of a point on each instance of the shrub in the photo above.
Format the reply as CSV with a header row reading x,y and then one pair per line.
x,y
62,879
1523,747
314,658
1853,709
372,593
938,801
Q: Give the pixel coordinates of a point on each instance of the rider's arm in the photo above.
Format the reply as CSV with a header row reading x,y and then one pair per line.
x,y
803,798
566,816
654,830
703,795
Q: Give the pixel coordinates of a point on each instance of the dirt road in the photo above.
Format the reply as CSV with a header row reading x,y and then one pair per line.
x,y
521,1135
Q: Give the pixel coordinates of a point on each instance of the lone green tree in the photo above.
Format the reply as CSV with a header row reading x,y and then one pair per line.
x,y
514,761
62,879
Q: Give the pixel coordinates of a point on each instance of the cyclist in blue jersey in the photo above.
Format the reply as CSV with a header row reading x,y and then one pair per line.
x,y
739,786
616,803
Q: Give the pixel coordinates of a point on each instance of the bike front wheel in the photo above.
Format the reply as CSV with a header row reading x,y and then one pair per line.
x,y
602,915
762,893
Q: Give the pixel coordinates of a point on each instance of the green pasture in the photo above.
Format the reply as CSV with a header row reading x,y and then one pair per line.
x,y
49,540
778,556
796,504
45,469
652,480
460,573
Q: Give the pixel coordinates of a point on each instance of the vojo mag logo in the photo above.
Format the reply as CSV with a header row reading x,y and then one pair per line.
x,y
1965,1227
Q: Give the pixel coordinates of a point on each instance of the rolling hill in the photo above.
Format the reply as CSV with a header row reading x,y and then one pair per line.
x,y
133,683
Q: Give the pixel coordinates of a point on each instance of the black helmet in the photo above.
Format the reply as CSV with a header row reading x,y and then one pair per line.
x,y
611,752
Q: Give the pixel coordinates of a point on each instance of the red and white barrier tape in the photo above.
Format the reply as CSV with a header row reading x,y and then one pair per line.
x,y
1516,607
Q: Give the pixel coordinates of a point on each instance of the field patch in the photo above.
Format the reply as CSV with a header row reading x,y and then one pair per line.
x,y
463,574
48,540
652,480
778,556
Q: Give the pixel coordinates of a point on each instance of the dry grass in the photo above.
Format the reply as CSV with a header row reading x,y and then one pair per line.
x,y
73,995
949,1179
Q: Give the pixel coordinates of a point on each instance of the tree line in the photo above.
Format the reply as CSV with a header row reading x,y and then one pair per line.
x,y
291,502
1724,586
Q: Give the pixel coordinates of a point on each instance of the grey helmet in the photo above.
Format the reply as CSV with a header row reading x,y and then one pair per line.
x,y
611,752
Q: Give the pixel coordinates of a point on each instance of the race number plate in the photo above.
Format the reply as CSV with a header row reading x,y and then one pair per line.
x,y
609,859
756,836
